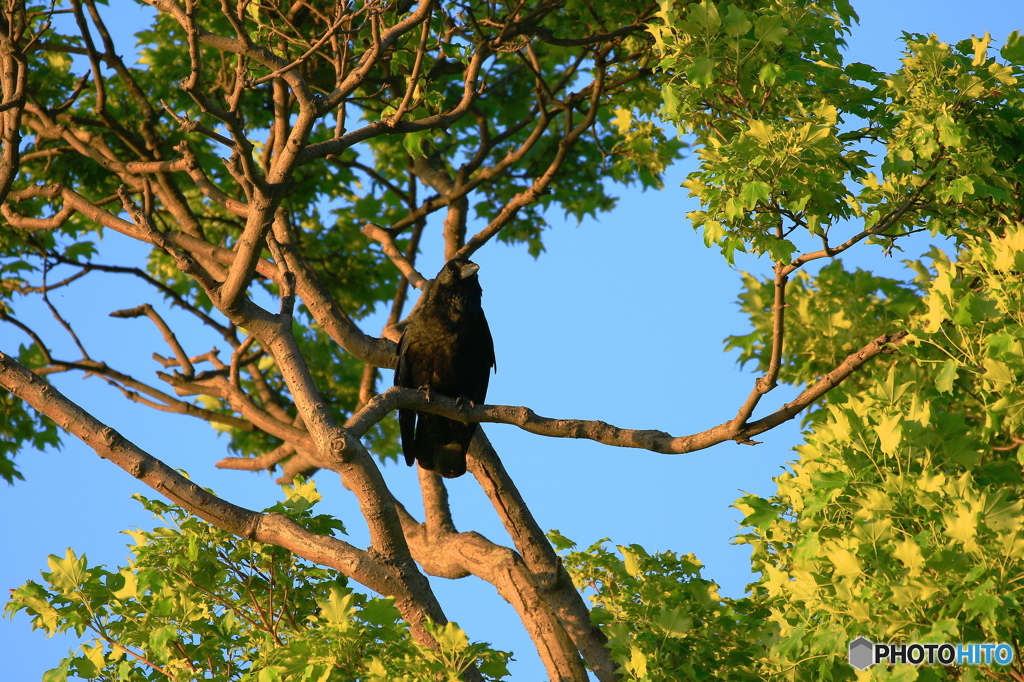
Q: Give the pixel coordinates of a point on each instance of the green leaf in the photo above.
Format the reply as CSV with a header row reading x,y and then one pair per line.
x,y
270,674
705,16
960,187
1013,49
673,621
755,191
997,372
337,609
451,638
380,612
80,251
735,22
770,29
632,563
302,496
909,554
701,72
770,73
961,526
758,512
946,376
559,541
637,663
160,639
68,574
983,603
413,142
59,674
845,561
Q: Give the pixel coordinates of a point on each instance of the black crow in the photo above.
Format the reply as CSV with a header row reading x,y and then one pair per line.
x,y
445,348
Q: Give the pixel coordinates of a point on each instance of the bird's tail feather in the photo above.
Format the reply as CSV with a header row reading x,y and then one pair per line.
x,y
440,444
450,460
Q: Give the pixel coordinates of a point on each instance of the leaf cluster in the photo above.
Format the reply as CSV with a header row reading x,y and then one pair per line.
x,y
788,134
663,620
827,316
195,602
902,519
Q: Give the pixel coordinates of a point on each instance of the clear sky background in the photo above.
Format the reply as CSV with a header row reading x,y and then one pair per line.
x,y
622,319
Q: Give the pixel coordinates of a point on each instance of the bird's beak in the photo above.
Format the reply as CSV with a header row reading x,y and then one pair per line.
x,y
468,270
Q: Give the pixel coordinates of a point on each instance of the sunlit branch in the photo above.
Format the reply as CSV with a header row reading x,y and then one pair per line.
x,y
884,224
265,461
449,554
602,432
392,251
269,528
529,539
769,381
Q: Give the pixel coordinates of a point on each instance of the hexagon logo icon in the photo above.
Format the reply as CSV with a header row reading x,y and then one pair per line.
x,y
862,653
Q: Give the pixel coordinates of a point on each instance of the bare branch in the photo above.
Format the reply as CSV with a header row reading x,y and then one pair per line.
x,y
770,380
267,461
416,67
602,432
439,121
392,251
369,59
172,341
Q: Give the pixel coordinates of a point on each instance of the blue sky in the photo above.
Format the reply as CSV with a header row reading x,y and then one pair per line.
x,y
622,319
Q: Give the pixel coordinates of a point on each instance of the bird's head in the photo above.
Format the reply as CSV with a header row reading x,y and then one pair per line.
x,y
457,284
456,270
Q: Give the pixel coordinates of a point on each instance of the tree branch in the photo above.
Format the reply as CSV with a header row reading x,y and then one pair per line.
x,y
602,432
272,528
546,567
172,340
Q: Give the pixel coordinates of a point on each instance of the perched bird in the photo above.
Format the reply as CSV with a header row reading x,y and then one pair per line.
x,y
446,348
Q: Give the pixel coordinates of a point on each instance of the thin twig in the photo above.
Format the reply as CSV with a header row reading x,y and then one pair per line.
x,y
169,337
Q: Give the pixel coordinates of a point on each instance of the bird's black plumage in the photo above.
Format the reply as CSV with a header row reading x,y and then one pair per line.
x,y
446,348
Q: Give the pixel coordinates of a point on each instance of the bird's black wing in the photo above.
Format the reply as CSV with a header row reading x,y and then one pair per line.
x,y
407,376
406,418
475,358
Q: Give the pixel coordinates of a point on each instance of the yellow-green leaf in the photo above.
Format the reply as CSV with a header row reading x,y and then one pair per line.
x,y
997,372
623,120
890,433
946,376
909,554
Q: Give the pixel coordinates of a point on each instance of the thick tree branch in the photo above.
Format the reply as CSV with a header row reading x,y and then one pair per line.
x,y
448,554
551,577
272,528
14,69
269,528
